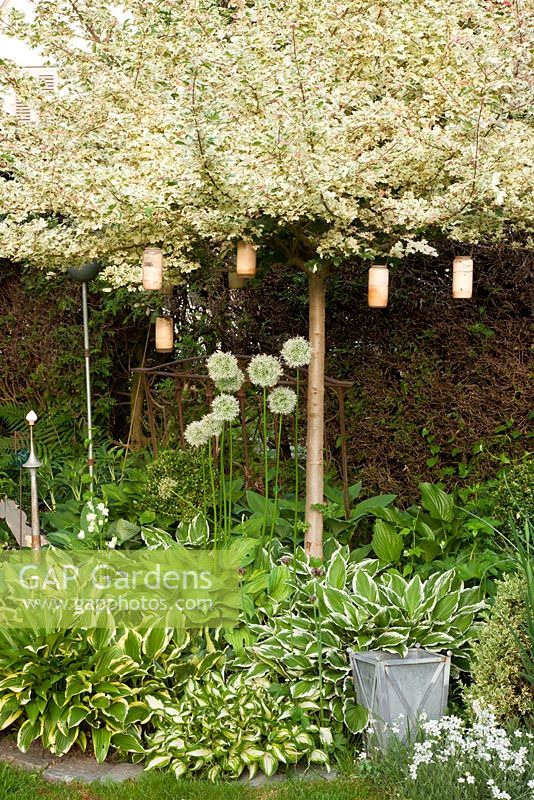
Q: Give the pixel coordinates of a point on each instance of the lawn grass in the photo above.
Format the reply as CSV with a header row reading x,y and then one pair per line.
x,y
19,785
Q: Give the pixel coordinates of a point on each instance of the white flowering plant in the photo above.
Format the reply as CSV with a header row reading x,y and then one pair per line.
x,y
91,530
458,760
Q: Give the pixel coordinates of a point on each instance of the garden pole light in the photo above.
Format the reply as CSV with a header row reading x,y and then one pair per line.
x,y
32,464
83,275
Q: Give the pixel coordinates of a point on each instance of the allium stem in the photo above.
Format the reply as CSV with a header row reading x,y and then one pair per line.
x,y
222,487
276,475
204,499
213,494
296,457
230,475
266,463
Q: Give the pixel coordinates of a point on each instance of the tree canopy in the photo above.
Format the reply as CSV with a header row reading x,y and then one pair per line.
x,y
334,128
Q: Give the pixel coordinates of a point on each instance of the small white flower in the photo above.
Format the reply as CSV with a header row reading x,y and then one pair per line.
x,y
105,512
91,517
195,434
100,507
231,385
296,352
264,371
225,407
222,366
81,535
282,401
212,425
112,543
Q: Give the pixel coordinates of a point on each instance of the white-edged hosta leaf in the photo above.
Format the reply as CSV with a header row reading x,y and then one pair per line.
x,y
336,575
355,716
101,743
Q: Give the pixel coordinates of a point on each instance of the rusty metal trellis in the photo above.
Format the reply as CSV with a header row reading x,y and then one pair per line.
x,y
183,374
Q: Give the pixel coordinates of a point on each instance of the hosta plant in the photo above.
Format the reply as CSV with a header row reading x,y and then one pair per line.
x,y
101,686
356,606
222,726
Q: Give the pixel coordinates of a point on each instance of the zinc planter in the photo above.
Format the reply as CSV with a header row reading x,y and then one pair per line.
x,y
397,690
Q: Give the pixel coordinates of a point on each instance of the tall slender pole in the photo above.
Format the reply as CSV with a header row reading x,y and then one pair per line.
x,y
313,540
87,357
32,464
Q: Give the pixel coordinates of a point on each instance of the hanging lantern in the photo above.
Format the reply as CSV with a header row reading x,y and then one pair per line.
x,y
377,295
246,260
164,334
236,281
462,277
152,269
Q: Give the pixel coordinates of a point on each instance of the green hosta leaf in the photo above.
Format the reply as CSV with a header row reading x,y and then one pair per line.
x,y
355,716
437,639
365,586
268,764
305,688
155,641
368,506
118,710
127,743
438,503
337,572
445,608
259,504
413,596
200,752
251,754
76,684
132,643
318,757
386,542
157,762
64,740
76,714
334,599
390,640
10,710
208,662
101,742
279,585
28,732
138,712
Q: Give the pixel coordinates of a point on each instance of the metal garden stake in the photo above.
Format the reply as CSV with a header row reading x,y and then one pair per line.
x,y
32,464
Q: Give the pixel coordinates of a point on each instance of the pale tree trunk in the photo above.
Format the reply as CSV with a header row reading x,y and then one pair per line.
x,y
313,540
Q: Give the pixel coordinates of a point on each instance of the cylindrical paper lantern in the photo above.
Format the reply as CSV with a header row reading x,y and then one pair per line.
x,y
164,334
152,268
462,277
377,296
236,281
246,260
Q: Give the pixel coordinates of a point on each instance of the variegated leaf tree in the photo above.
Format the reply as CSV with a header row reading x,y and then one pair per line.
x,y
326,129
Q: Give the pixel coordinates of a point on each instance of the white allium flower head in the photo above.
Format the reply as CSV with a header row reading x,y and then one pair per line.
x,y
222,366
212,425
225,407
264,371
195,434
282,401
296,352
231,385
